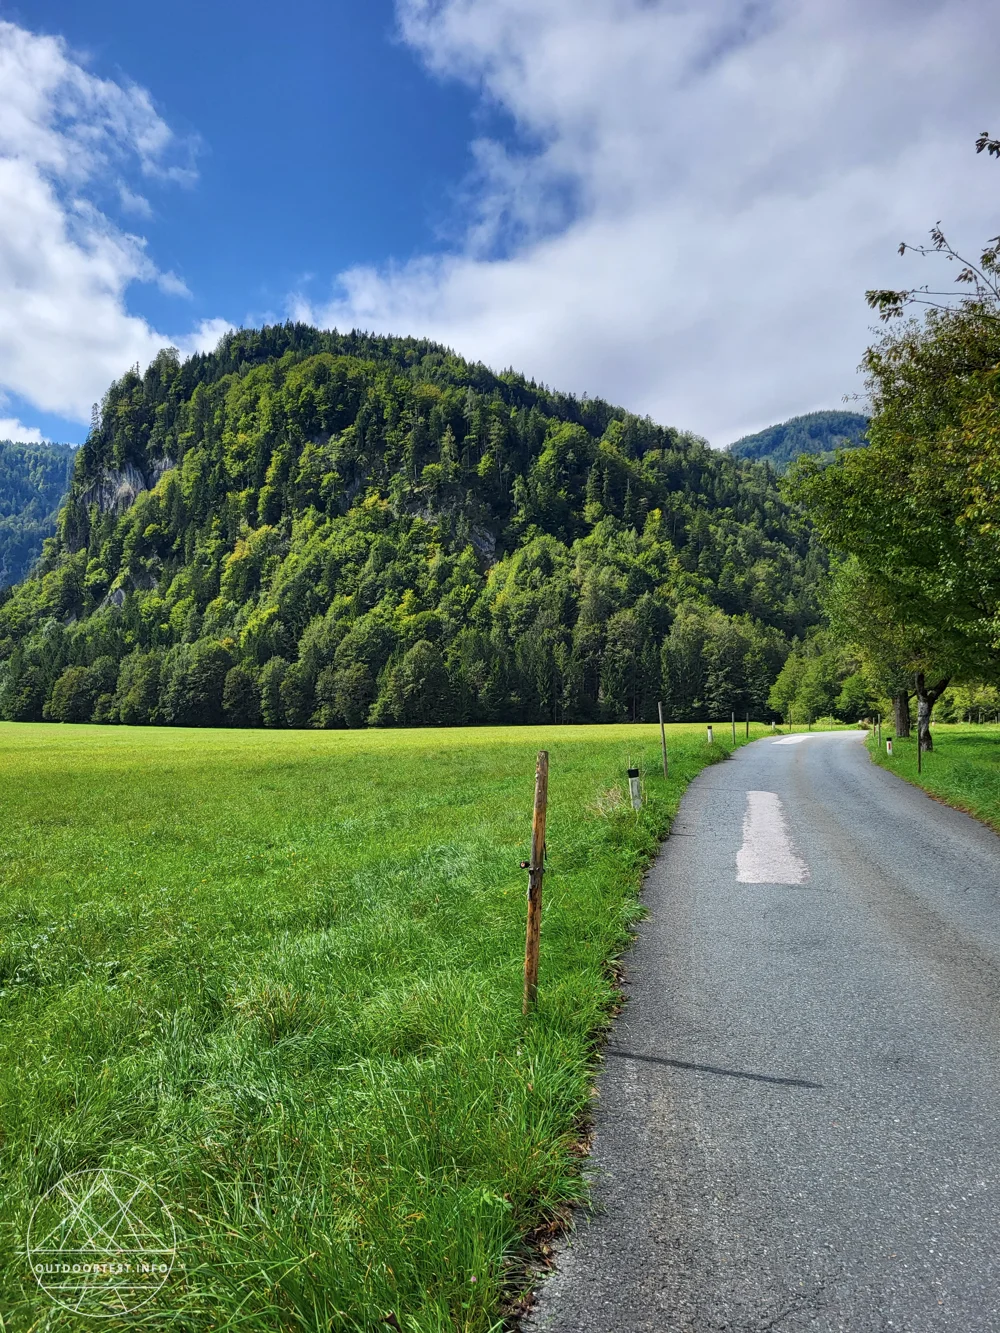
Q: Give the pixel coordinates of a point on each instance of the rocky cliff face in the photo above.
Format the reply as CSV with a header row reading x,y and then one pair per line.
x,y
116,489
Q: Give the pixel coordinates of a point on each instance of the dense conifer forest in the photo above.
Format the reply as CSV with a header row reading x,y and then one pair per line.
x,y
814,433
307,528
34,479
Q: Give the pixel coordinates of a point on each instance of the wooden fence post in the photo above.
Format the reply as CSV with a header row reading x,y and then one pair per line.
x,y
663,739
748,727
734,727
536,869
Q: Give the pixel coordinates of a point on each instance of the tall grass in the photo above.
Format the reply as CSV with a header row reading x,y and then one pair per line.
x,y
278,976
963,769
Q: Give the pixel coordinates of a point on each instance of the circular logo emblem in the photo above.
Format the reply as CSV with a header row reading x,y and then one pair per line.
x,y
101,1243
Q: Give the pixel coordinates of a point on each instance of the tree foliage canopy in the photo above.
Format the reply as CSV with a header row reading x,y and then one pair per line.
x,y
820,433
34,479
917,511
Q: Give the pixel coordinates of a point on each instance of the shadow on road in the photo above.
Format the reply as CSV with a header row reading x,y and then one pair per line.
x,y
712,1069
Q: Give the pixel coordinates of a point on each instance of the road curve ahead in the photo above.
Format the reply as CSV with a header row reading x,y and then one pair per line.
x,y
798,1121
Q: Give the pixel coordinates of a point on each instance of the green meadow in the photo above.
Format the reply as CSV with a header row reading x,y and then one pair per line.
x,y
277,976
963,769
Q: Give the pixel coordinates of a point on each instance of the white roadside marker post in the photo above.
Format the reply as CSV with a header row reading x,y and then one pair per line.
x,y
633,782
711,738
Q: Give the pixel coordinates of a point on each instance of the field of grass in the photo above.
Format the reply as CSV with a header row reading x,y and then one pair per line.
x,y
277,976
963,769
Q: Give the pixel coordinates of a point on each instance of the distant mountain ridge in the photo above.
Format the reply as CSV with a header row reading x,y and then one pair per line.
x,y
34,480
813,433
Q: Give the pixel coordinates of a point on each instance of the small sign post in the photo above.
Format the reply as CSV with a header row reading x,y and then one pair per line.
x,y
663,738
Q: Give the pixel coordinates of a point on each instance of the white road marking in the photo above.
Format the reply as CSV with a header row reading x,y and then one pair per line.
x,y
816,735
767,855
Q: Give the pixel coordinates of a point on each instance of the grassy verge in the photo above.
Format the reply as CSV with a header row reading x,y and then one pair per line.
x,y
277,977
963,769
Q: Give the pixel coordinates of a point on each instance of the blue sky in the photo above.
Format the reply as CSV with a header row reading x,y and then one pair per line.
x,y
323,142
675,205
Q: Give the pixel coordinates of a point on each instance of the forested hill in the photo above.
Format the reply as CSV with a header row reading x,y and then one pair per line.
x,y
308,528
34,479
814,433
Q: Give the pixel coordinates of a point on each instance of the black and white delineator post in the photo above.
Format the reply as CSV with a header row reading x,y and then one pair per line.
x,y
888,747
711,738
633,783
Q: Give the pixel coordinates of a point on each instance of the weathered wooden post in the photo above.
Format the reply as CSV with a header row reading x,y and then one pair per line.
x,y
748,727
663,738
536,869
734,726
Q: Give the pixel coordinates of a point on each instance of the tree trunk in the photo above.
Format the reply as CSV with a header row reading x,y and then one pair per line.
x,y
926,699
924,738
901,713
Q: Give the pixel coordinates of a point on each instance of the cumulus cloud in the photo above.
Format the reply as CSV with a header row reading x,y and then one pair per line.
x,y
204,338
708,188
67,140
12,429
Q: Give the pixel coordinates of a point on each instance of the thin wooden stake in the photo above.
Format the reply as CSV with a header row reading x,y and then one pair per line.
x,y
748,727
663,738
535,869
734,728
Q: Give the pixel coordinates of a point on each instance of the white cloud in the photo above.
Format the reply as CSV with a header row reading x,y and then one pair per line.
x,y
204,338
12,429
171,285
736,174
132,202
68,139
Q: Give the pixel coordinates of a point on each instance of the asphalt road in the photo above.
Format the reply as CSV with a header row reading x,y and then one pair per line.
x,y
798,1120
